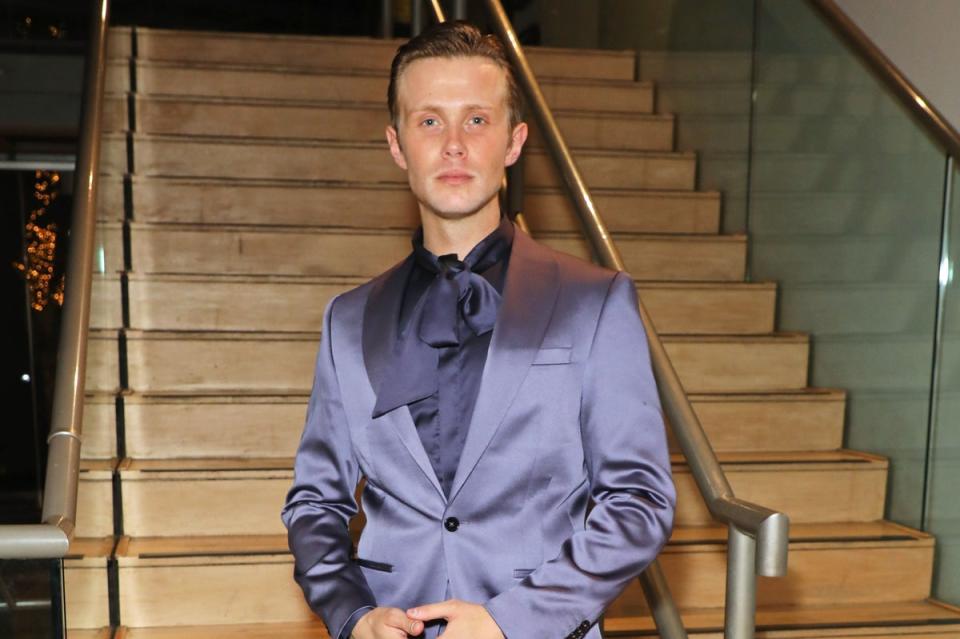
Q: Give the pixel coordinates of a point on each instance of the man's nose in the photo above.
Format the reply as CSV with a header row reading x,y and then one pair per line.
x,y
453,144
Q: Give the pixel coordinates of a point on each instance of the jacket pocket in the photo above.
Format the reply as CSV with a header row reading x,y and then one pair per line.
x,y
520,573
373,565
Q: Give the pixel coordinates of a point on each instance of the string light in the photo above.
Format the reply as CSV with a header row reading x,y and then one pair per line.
x,y
38,268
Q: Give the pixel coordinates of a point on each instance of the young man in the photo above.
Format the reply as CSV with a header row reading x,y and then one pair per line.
x,y
487,388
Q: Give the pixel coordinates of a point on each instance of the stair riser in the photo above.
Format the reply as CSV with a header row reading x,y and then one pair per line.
x,y
173,592
343,87
736,367
106,309
213,594
107,258
164,250
856,493
195,158
103,362
694,67
153,504
391,206
243,306
281,365
162,430
651,133
85,586
771,425
844,574
355,53
99,428
211,429
94,504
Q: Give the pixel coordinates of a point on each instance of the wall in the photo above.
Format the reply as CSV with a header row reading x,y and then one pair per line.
x,y
919,36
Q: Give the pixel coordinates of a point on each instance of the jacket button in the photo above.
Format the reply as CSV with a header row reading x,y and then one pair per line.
x,y
451,524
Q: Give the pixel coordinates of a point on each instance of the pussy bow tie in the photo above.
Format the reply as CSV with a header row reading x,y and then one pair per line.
x,y
457,290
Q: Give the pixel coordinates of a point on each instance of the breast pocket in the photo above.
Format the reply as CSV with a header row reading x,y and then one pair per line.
x,y
553,355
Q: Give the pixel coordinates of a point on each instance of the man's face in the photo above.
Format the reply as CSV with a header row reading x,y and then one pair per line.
x,y
454,137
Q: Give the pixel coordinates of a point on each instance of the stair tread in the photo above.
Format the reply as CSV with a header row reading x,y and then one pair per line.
x,y
757,460
336,71
357,280
810,394
927,618
682,540
90,547
783,622
301,183
279,630
390,44
300,142
807,532
352,106
106,333
90,633
340,230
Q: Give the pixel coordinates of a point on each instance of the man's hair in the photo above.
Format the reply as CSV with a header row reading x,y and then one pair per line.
x,y
454,39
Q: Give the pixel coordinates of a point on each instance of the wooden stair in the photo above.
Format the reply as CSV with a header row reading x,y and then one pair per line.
x,y
232,209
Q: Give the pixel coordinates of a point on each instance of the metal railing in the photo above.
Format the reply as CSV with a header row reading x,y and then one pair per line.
x,y
51,538
758,537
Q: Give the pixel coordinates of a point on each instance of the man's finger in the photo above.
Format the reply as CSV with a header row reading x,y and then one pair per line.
x,y
397,619
441,610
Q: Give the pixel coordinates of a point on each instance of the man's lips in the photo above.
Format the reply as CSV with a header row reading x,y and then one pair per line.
x,y
454,177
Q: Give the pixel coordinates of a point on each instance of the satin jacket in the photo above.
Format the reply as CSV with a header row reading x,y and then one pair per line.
x,y
563,492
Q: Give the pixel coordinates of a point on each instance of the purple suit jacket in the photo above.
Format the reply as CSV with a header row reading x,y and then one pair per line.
x,y
567,412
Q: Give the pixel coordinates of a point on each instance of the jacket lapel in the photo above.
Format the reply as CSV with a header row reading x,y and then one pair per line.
x,y
381,315
529,295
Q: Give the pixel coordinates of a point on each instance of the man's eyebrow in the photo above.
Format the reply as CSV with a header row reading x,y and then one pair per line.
x,y
434,107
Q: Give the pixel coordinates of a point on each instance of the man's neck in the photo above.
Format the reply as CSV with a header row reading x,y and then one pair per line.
x,y
458,235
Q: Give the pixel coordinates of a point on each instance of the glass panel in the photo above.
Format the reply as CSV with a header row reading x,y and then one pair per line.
x,y
29,609
943,516
845,214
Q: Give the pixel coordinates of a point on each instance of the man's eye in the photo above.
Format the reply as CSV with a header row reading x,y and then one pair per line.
x,y
477,120
429,121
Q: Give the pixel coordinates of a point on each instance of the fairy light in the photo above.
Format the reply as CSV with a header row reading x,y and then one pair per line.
x,y
38,268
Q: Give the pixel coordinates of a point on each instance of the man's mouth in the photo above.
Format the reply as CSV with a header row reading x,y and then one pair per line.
x,y
454,178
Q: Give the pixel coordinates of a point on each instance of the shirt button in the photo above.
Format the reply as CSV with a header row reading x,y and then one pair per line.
x,y
451,524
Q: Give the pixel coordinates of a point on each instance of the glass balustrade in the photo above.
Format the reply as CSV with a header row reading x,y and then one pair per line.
x,y
841,191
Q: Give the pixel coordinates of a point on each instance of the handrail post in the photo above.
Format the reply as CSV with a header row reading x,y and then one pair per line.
x,y
740,606
656,591
416,17
386,19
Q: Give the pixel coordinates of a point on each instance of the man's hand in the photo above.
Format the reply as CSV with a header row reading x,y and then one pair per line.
x,y
386,623
464,620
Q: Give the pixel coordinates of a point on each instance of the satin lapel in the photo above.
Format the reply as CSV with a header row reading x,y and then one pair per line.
x,y
529,295
380,316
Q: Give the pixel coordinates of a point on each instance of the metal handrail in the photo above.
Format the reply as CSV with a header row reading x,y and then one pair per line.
x,y
905,91
51,538
758,537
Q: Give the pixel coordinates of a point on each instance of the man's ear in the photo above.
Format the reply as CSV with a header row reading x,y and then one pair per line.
x,y
394,141
517,138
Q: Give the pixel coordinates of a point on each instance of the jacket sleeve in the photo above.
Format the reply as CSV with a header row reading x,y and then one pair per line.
x,y
321,501
628,467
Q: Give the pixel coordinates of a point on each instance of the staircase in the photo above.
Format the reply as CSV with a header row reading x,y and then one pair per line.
x,y
246,181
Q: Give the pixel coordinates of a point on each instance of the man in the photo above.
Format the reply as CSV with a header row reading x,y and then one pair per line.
x,y
487,388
